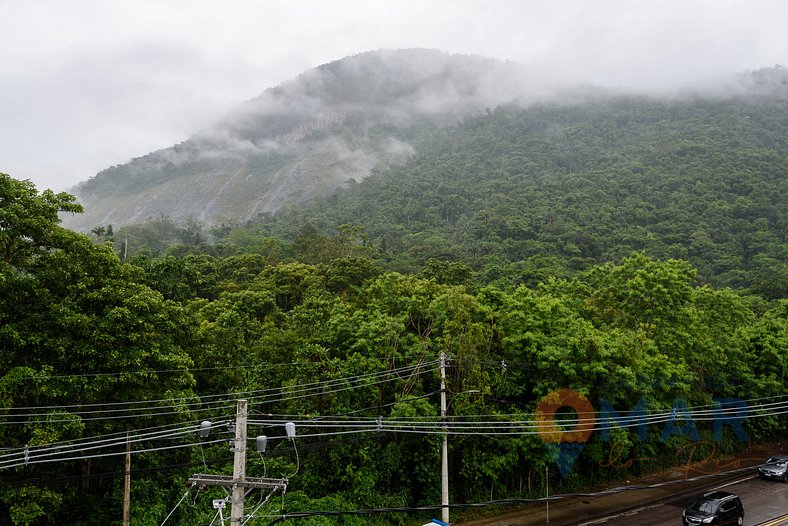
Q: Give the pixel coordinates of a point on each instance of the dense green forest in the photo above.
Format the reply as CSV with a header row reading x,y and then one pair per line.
x,y
341,333
519,195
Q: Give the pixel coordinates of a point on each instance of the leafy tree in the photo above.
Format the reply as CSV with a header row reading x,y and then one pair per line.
x,y
76,330
29,223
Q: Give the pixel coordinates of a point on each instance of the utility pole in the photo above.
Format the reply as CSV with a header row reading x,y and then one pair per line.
x,y
127,484
239,465
444,447
238,483
547,494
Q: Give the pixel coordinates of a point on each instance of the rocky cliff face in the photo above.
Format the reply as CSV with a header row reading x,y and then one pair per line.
x,y
310,135
303,138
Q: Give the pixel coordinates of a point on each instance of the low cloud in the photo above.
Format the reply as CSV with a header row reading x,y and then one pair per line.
x,y
88,84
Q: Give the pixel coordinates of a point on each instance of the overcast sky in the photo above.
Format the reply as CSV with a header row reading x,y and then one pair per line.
x,y
86,84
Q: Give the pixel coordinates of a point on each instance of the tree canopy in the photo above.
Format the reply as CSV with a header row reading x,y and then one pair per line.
x,y
634,255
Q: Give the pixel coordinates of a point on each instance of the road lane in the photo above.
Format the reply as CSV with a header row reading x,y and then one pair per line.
x,y
763,501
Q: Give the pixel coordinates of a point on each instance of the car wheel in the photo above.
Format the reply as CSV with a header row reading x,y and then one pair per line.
x,y
740,520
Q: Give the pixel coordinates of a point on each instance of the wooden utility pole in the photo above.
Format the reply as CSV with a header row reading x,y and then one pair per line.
x,y
238,482
127,484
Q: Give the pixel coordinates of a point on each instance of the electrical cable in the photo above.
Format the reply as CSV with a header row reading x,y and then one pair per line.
x,y
298,461
226,397
108,435
178,411
137,437
236,394
457,427
262,458
39,457
103,455
179,503
251,515
525,427
115,474
98,444
430,427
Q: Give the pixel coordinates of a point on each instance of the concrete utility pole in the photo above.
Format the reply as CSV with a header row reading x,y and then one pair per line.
x,y
547,494
238,483
444,447
239,465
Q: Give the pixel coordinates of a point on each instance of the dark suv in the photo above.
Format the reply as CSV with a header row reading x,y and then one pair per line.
x,y
719,508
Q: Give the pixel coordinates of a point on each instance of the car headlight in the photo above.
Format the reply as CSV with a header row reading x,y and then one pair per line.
x,y
707,520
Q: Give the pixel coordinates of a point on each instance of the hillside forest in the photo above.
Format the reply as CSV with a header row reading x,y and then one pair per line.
x,y
632,251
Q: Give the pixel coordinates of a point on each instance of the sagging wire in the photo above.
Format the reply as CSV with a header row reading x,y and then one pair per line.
x,y
179,503
290,429
298,461
251,516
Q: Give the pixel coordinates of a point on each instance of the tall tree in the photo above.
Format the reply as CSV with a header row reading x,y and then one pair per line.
x,y
77,329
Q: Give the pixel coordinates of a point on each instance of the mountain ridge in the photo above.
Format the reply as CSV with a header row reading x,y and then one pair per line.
x,y
300,139
335,123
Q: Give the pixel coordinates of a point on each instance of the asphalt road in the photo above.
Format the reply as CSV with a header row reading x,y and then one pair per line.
x,y
763,501
663,503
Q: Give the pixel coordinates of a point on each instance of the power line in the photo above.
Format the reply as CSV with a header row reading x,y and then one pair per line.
x,y
28,461
230,397
465,425
23,456
102,444
179,503
107,436
482,425
434,425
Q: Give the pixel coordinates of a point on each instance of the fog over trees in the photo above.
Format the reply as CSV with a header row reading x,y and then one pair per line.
x,y
318,250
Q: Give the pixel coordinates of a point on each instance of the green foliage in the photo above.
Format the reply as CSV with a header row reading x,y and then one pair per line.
x,y
522,194
77,330
588,267
27,505
29,222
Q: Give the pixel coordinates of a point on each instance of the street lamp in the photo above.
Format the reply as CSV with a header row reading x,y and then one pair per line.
x,y
445,442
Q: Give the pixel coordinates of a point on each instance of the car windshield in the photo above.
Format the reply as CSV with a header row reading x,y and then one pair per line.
x,y
704,506
780,461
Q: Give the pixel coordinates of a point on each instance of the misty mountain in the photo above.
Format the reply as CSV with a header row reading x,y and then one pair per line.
x,y
523,192
338,123
304,138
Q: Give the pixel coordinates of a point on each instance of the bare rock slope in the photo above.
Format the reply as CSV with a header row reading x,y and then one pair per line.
x,y
303,138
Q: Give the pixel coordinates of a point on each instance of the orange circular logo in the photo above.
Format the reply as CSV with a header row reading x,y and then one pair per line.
x,y
551,431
